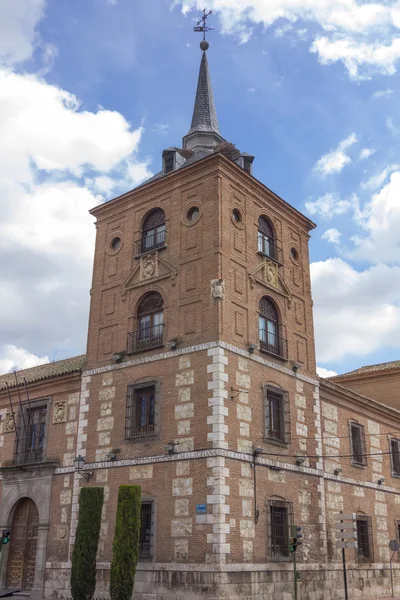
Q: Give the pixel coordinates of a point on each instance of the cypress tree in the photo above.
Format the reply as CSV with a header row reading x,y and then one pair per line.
x,y
83,568
126,542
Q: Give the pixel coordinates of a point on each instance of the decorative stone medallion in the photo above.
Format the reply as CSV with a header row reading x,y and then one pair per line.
x,y
271,273
218,288
148,266
10,425
60,412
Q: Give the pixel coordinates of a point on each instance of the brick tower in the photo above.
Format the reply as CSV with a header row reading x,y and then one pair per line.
x,y
200,359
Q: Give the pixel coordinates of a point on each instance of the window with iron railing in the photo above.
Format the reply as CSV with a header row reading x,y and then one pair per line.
x,y
269,329
364,539
357,445
146,532
140,418
280,518
150,319
31,434
277,415
395,456
153,232
267,243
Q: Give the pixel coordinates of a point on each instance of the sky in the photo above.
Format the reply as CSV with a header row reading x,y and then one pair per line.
x,y
92,92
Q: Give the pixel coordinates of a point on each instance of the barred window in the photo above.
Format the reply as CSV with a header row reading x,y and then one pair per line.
x,y
277,414
141,415
146,532
395,456
364,539
280,518
266,238
30,443
357,444
153,231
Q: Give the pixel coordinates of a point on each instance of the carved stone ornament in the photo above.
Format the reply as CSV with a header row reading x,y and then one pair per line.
x,y
60,412
10,425
218,288
148,267
271,273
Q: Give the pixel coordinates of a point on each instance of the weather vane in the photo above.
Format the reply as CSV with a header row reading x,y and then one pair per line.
x,y
203,28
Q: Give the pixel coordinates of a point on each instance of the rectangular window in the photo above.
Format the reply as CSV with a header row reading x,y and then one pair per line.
x,y
146,532
364,539
395,455
140,419
280,515
357,445
30,443
277,423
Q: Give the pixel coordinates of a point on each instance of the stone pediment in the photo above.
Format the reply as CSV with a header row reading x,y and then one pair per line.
x,y
267,275
149,269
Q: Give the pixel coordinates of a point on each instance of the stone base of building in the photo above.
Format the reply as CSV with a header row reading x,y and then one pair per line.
x,y
237,581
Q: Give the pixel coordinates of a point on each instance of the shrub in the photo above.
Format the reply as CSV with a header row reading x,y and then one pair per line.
x,y
83,568
126,542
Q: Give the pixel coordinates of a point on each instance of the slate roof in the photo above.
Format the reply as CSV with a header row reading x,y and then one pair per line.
x,y
388,366
47,371
204,112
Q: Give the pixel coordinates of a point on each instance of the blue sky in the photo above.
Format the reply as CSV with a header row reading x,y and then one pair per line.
x,y
92,92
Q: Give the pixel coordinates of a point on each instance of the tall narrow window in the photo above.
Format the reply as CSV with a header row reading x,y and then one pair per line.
x,y
277,423
364,539
266,238
150,319
146,532
280,519
140,420
395,455
357,444
153,231
268,323
32,432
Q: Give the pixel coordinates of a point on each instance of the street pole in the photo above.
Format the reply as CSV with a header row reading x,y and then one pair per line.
x,y
344,574
295,575
391,573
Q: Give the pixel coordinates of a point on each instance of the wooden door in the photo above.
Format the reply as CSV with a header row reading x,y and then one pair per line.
x,y
22,553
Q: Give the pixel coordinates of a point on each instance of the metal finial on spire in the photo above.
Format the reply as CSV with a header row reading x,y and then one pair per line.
x,y
203,28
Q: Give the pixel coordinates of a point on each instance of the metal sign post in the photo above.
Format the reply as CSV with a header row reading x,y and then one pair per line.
x,y
346,537
394,547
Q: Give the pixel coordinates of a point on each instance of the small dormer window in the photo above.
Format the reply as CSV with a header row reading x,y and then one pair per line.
x,y
169,160
247,165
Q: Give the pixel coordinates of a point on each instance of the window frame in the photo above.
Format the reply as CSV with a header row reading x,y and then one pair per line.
x,y
149,334
362,463
285,437
269,324
147,557
393,440
368,522
274,554
131,410
21,443
155,230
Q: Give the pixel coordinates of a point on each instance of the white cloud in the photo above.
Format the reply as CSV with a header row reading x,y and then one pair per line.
x,y
18,21
355,312
366,153
337,159
332,236
330,205
161,128
362,35
375,181
251,90
13,358
382,94
325,372
391,126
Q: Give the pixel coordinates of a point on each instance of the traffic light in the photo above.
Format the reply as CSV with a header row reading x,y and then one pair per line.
x,y
5,538
295,538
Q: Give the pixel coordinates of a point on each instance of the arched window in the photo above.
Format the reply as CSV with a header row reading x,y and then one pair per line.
x,y
266,238
268,322
153,231
150,320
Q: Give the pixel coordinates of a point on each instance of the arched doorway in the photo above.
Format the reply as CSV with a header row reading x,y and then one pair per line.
x,y
22,552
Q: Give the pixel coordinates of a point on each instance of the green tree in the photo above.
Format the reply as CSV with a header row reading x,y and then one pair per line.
x,y
126,542
83,569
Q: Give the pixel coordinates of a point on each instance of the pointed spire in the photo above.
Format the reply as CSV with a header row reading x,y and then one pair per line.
x,y
204,132
204,113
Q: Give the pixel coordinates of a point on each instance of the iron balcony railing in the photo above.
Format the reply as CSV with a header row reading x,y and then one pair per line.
x,y
145,339
270,248
150,242
273,344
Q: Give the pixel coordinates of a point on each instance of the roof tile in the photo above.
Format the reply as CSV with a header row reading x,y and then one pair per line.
x,y
53,369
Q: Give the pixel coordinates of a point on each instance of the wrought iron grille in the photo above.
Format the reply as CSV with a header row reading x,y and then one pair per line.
x,y
273,344
30,441
395,448
364,539
145,339
269,247
277,415
146,532
280,519
357,443
140,410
